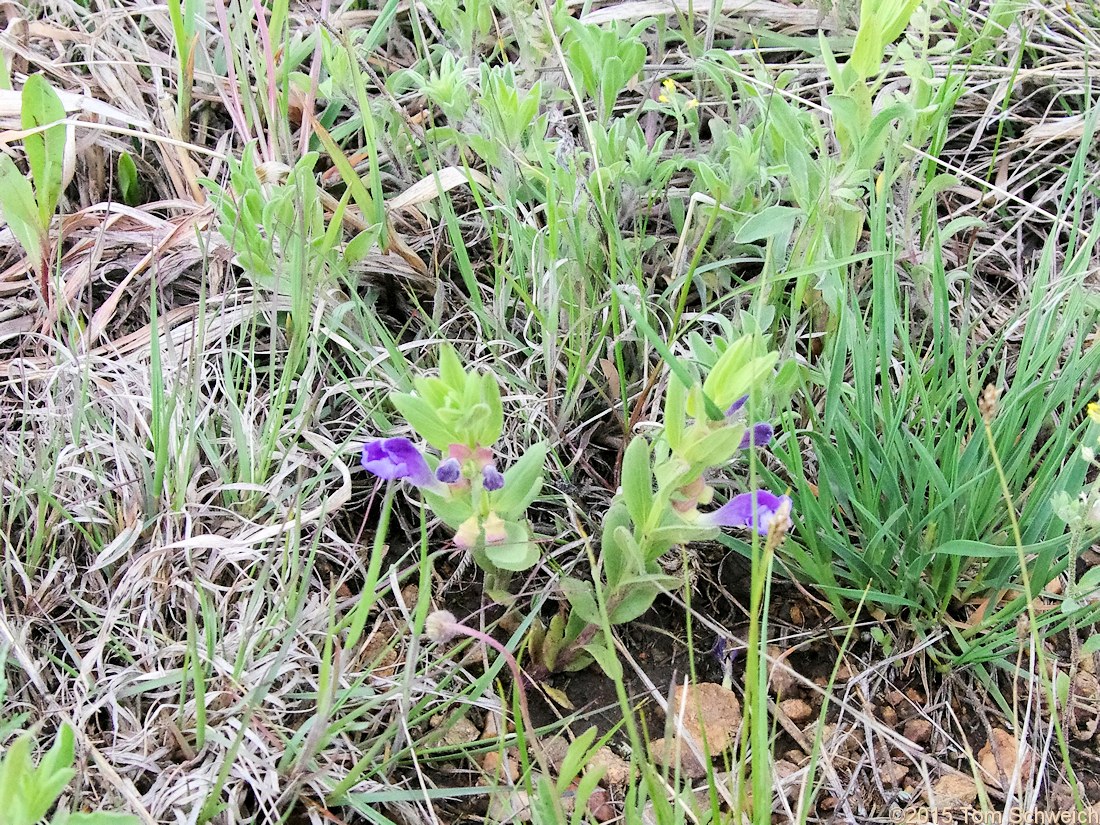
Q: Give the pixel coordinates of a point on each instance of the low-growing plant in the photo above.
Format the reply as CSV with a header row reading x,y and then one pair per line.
x,y
29,791
460,414
28,205
664,485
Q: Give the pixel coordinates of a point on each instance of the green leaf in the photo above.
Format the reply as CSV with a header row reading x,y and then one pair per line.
x,y
515,553
576,757
60,755
613,553
880,23
45,149
553,641
493,424
453,511
607,659
351,178
983,550
522,483
731,362
623,559
422,417
716,447
450,369
20,211
666,536
581,597
359,246
1089,582
638,598
637,479
770,222
675,416
128,183
15,771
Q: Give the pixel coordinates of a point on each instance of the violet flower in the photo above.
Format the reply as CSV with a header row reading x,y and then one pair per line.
x,y
491,478
396,458
757,435
739,512
449,471
736,405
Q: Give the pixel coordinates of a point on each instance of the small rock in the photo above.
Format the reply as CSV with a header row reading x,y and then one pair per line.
x,y
797,710
600,806
671,753
915,696
894,772
710,712
895,697
617,769
889,716
785,770
509,805
555,748
796,757
918,731
1001,757
953,790
780,679
797,617
491,765
461,732
843,673
377,651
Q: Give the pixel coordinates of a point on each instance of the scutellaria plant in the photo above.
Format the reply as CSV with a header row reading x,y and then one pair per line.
x,y
459,413
666,498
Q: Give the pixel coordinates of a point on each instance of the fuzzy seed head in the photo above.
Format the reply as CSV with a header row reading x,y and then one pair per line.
x,y
439,626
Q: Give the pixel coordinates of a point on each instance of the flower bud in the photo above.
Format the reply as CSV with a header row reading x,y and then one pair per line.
x,y
491,478
449,471
467,534
758,435
495,529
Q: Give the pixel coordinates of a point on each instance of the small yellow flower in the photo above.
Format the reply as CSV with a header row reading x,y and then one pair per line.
x,y
1094,412
669,85
693,103
662,98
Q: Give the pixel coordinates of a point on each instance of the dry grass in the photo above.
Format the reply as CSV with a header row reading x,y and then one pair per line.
x,y
187,630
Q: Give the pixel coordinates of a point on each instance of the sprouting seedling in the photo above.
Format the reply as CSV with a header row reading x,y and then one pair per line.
x,y
48,144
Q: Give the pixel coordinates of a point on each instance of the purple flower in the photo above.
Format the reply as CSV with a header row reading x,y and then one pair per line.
x,y
394,458
491,479
738,512
449,471
757,435
736,405
725,651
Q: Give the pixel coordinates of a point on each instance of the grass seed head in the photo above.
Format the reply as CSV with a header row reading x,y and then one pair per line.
x,y
987,404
